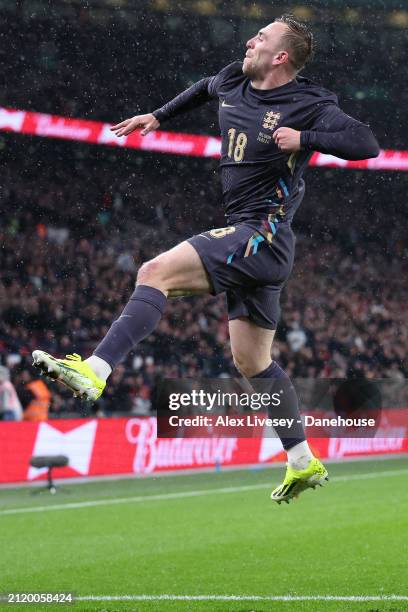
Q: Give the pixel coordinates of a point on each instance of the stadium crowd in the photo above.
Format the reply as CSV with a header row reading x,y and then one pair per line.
x,y
78,221
71,248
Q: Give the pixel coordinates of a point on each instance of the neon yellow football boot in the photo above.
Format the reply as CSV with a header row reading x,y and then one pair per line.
x,y
71,372
297,481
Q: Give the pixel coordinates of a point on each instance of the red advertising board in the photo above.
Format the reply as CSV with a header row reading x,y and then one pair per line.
x,y
96,132
98,447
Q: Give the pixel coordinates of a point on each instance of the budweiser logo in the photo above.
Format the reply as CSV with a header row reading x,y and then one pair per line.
x,y
77,444
212,147
61,128
108,137
164,142
11,120
270,447
323,159
340,447
152,453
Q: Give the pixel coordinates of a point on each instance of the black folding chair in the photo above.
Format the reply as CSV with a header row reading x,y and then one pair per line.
x,y
50,462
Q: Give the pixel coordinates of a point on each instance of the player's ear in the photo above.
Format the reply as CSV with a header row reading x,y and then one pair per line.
x,y
281,58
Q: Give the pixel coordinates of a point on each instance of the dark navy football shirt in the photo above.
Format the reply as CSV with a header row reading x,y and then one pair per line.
x,y
256,175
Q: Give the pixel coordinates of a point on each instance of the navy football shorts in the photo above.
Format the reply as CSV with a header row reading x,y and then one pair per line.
x,y
251,261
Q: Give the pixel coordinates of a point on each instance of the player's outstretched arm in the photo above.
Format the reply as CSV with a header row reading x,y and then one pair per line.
x,y
336,133
147,123
198,94
191,98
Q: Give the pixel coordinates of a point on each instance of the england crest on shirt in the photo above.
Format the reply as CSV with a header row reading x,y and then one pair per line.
x,y
270,120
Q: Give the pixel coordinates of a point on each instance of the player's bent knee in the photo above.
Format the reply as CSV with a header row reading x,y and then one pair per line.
x,y
244,367
149,272
249,367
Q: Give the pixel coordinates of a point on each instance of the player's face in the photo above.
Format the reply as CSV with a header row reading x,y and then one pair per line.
x,y
264,51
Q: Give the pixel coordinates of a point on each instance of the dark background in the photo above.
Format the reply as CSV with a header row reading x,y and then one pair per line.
x,y
78,220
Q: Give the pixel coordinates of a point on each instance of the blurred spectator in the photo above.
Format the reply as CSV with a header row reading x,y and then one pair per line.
x,y
34,395
296,337
10,406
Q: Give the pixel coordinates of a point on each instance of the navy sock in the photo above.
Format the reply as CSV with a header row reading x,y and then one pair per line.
x,y
138,319
288,408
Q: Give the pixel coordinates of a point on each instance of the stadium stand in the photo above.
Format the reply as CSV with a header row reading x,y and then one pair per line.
x,y
80,220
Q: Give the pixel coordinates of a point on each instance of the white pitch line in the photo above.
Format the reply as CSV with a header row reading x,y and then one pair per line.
x,y
368,475
243,598
180,494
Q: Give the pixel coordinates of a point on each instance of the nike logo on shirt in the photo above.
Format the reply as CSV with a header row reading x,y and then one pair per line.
x,y
229,105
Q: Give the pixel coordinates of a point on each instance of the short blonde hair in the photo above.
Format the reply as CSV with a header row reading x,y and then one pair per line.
x,y
299,41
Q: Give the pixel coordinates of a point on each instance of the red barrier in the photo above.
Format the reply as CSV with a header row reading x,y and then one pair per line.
x,y
95,132
130,446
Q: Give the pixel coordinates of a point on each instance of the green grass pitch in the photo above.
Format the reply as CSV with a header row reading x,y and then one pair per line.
x,y
213,534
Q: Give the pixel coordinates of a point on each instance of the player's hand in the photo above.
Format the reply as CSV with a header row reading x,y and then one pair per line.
x,y
147,123
287,140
